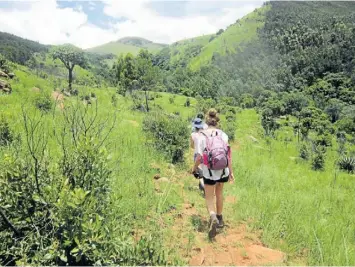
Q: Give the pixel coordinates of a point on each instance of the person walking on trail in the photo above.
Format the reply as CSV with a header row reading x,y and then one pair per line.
x,y
213,149
197,125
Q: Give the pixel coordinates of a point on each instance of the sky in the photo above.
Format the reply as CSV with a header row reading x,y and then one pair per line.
x,y
91,23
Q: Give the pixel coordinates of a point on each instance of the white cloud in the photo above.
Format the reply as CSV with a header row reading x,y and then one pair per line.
x,y
146,23
45,22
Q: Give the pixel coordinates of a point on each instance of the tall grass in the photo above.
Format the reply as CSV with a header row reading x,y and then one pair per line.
x,y
308,214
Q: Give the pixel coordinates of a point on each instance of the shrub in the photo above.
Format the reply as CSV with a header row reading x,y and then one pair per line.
x,y
304,152
169,135
323,140
171,100
44,102
138,102
187,103
318,160
6,134
347,164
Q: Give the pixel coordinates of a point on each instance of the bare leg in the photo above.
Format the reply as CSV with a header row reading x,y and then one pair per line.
x,y
210,199
219,198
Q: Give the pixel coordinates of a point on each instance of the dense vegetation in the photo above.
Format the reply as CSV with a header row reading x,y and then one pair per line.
x,y
80,140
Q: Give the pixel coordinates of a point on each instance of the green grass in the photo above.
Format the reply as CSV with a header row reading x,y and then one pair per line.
x,y
307,214
118,48
242,32
179,50
177,105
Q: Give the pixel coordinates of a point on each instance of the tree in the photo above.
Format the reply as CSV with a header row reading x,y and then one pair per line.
x,y
147,73
128,74
70,57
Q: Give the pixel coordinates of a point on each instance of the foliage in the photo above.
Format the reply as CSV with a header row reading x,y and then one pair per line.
x,y
70,56
169,135
318,159
17,49
44,102
304,152
268,122
7,135
347,164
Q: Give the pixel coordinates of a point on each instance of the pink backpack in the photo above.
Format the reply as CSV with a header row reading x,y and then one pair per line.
x,y
215,155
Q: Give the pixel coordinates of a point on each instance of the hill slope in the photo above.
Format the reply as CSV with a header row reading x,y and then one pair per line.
x,y
127,45
243,31
18,49
199,51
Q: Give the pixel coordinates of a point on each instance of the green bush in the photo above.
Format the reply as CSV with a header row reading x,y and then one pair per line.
x,y
304,152
347,164
44,102
318,158
6,134
169,134
171,100
323,140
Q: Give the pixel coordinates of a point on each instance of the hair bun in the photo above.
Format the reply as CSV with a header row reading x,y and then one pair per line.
x,y
212,113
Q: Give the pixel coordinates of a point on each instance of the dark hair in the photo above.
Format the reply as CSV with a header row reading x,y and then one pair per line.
x,y
212,118
200,116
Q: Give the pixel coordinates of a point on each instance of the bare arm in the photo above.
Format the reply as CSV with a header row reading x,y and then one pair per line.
x,y
231,174
192,145
197,163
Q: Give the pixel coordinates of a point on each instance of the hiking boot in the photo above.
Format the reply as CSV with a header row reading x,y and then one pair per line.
x,y
220,221
213,226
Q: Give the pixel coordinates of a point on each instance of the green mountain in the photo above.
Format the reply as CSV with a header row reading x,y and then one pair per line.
x,y
127,45
18,49
199,51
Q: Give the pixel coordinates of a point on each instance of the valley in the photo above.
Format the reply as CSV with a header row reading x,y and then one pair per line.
x,y
94,145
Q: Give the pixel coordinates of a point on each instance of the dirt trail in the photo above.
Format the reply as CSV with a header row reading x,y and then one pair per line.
x,y
233,245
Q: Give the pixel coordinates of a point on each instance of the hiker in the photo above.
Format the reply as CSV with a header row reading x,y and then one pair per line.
x,y
213,149
197,125
199,116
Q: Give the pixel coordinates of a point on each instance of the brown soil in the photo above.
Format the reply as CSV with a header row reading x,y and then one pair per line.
x,y
235,246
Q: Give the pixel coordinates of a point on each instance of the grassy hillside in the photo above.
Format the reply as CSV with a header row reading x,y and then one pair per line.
x,y
199,51
187,49
18,49
233,38
127,45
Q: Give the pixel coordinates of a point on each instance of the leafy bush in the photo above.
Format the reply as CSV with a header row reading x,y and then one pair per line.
x,y
268,122
230,125
171,100
6,134
323,140
304,152
347,164
169,134
318,159
44,102
58,211
138,102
